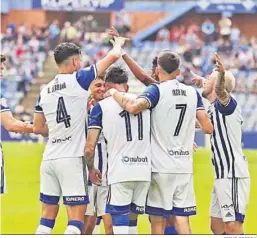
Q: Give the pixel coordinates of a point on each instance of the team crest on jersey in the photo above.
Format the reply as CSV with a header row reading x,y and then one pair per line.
x,y
3,102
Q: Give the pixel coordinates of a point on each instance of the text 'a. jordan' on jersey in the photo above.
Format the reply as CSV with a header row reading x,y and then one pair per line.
x,y
173,117
128,140
227,155
64,104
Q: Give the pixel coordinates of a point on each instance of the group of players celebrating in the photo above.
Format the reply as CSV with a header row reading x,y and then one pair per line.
x,y
137,150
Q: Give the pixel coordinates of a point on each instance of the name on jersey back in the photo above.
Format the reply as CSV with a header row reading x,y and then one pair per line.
x,y
56,87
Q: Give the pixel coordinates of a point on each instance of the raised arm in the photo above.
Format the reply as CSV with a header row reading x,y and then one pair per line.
x,y
135,68
221,92
138,71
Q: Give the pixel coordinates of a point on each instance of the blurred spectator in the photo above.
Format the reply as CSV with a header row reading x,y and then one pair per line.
x,y
225,27
163,35
122,22
68,33
54,32
208,28
235,35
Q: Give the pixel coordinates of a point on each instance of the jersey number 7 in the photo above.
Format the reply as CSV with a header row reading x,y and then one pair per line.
x,y
182,108
62,115
139,116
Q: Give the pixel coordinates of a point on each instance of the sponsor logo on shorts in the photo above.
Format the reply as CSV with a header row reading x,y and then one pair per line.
x,y
227,206
178,152
189,209
228,215
140,209
134,160
75,199
61,140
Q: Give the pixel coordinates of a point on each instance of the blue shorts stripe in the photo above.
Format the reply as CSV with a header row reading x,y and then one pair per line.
x,y
117,210
49,199
187,211
156,211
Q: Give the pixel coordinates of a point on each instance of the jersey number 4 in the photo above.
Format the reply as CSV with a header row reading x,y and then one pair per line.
x,y
182,108
139,116
62,115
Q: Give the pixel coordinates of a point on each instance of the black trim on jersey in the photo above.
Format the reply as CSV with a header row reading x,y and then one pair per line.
x,y
109,195
217,149
140,126
215,163
230,148
224,147
235,194
100,157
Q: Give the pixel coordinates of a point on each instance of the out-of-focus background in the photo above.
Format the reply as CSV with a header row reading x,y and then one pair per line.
x,y
30,30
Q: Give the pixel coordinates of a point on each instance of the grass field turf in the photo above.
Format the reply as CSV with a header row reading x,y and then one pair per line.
x,y
20,208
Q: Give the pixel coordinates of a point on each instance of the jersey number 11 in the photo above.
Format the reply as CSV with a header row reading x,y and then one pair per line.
x,y
139,116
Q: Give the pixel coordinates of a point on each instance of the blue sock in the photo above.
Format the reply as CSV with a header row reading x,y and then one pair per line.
x,y
170,230
47,222
98,221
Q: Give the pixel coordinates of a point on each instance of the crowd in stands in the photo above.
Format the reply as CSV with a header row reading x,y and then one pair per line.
x,y
27,48
197,44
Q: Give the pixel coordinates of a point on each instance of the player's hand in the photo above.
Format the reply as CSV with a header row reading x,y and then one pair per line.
x,y
118,41
113,32
28,127
219,64
197,79
195,147
95,176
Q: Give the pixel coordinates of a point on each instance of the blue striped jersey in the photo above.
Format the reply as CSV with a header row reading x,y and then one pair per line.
x,y
227,155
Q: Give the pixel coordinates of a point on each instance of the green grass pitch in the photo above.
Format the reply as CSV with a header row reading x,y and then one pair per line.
x,y
20,208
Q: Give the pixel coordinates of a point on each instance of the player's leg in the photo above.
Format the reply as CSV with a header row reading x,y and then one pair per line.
x,y
118,205
217,225
184,204
101,201
159,203
170,226
50,192
138,204
3,187
233,195
90,215
73,179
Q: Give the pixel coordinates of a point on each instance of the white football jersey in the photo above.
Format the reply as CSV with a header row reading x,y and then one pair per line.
x,y
227,155
173,119
64,104
128,140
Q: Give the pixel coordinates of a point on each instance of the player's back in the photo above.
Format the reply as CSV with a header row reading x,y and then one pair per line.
x,y
64,102
128,142
173,127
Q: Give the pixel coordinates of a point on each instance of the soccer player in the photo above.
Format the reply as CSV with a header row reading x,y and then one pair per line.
x,y
98,194
175,107
61,113
10,124
129,152
232,181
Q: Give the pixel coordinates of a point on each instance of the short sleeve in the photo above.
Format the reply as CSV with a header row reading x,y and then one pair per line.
x,y
3,105
38,107
95,119
86,76
200,105
152,95
227,109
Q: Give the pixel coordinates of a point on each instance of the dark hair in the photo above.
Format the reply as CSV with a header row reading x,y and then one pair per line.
x,y
116,75
155,59
65,50
3,58
169,61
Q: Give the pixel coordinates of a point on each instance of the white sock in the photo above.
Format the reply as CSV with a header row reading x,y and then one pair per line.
x,y
121,230
96,230
72,230
43,230
133,230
